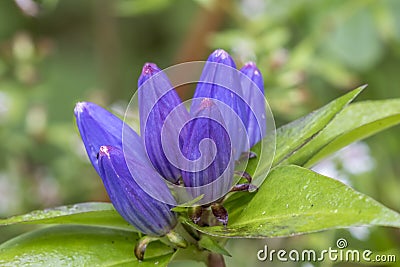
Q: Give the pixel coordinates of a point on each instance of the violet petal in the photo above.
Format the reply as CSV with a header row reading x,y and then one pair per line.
x,y
208,141
157,98
147,214
218,74
98,127
255,109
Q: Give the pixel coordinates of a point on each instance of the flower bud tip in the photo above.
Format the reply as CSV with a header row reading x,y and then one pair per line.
x,y
149,69
251,66
220,53
80,107
104,151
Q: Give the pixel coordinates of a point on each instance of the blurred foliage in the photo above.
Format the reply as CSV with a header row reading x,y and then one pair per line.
x,y
55,53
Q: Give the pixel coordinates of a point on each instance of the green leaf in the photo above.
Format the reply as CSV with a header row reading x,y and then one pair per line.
x,y
296,134
212,245
294,200
191,253
355,122
91,213
72,245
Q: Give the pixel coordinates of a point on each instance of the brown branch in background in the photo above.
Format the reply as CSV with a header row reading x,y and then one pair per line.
x,y
107,48
194,46
215,260
106,44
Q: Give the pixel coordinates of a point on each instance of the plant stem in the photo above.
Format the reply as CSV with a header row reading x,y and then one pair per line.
x,y
215,260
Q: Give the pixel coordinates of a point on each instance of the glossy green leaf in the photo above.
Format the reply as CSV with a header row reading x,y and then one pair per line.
x,y
294,200
296,134
91,213
355,122
73,245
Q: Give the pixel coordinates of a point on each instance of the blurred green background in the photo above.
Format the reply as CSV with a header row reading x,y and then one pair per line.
x,y
54,53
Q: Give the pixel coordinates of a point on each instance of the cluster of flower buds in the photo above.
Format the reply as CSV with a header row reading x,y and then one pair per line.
x,y
190,148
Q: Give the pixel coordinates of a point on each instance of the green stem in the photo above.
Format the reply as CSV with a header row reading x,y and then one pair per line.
x,y
141,246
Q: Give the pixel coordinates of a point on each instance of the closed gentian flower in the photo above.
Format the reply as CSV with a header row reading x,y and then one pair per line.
x,y
220,69
147,214
208,125
241,126
101,132
255,108
98,126
157,98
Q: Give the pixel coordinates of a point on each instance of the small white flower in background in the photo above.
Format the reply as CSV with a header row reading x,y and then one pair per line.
x,y
355,159
328,167
361,232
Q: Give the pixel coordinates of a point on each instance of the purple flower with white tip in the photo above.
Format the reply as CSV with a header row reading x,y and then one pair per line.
x,y
101,132
98,127
136,206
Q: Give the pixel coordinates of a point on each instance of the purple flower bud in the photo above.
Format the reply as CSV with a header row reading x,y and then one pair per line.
x,y
254,96
220,69
98,127
208,88
157,99
147,214
208,146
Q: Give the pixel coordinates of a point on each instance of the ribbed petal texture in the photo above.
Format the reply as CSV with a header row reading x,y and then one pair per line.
x,y
157,99
254,96
220,69
147,214
98,127
208,142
